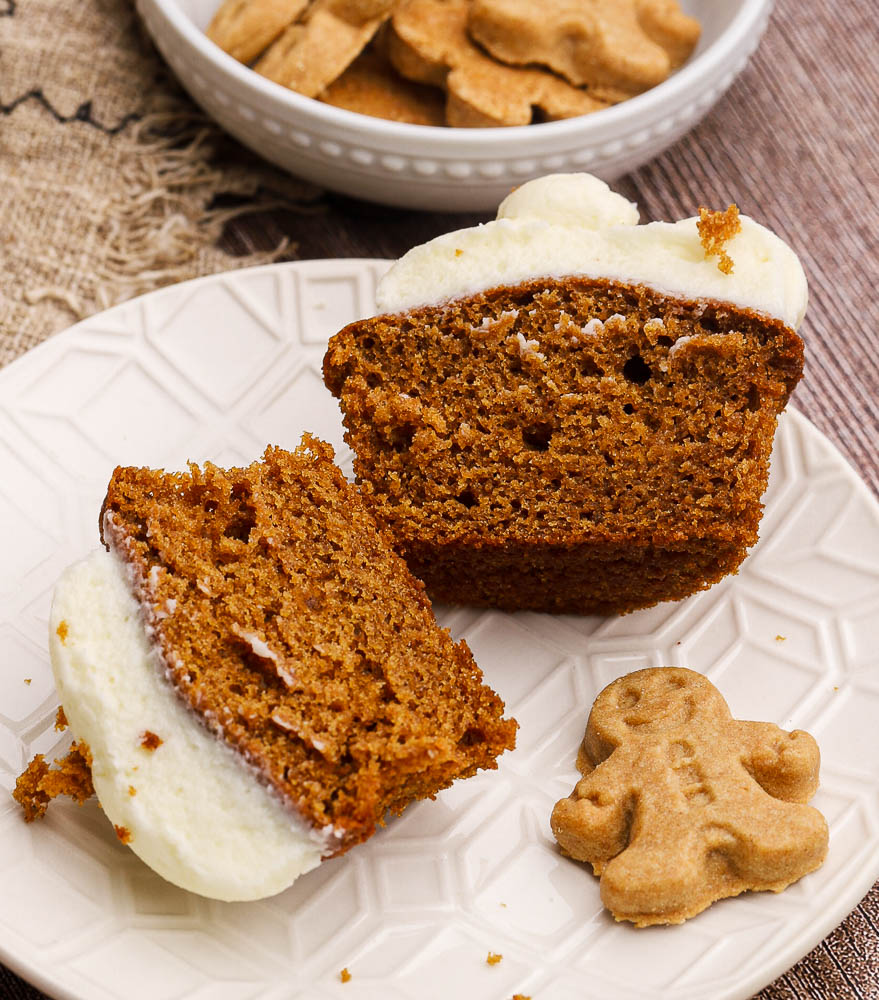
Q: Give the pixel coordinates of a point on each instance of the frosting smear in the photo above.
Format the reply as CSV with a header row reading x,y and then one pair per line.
x,y
181,799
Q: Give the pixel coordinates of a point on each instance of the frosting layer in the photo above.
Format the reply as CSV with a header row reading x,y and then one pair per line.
x,y
193,810
574,225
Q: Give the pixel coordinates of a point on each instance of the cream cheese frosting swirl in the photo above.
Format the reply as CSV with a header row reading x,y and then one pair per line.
x,y
567,225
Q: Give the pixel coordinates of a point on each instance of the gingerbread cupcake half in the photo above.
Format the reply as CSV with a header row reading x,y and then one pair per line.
x,y
253,675
566,411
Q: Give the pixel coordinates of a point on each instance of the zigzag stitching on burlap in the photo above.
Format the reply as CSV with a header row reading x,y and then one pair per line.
x,y
82,114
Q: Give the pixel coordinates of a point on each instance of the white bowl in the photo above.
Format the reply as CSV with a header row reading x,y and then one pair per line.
x,y
448,169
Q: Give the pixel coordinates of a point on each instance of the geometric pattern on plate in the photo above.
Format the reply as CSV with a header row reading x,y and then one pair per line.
x,y
215,369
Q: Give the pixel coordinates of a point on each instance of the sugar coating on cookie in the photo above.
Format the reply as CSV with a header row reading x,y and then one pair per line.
x,y
681,805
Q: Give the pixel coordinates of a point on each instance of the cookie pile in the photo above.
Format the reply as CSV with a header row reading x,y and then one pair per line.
x,y
464,63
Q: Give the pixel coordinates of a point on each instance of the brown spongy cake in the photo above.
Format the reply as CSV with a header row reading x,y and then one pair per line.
x,y
566,444
289,626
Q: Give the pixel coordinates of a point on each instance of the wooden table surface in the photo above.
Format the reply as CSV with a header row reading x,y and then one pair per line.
x,y
794,144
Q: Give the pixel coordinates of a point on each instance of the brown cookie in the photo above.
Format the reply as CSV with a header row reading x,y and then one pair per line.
x,y
371,86
429,44
622,46
244,28
681,805
319,47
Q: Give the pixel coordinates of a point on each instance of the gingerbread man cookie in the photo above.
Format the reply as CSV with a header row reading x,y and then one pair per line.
x,y
429,44
625,46
681,805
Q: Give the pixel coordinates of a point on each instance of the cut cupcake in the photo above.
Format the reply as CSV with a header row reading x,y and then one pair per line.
x,y
255,674
565,411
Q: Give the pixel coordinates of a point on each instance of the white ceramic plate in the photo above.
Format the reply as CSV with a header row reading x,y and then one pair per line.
x,y
217,368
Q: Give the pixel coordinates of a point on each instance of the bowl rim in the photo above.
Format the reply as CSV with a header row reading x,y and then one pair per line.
x,y
644,107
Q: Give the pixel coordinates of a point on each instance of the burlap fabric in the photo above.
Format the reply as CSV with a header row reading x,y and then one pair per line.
x,y
110,176
112,183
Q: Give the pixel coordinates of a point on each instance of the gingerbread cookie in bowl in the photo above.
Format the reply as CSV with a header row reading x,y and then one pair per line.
x,y
681,805
429,44
618,48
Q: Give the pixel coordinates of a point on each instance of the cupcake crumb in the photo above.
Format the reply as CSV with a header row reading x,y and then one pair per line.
x,y
716,229
149,740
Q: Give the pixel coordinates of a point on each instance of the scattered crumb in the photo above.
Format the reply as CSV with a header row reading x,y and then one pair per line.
x,y
345,976
458,253
520,996
39,783
123,833
149,740
132,790
493,958
780,638
504,905
716,229
60,719
27,680
62,631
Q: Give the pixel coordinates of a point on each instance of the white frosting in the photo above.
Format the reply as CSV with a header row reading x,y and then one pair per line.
x,y
569,199
198,816
573,224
